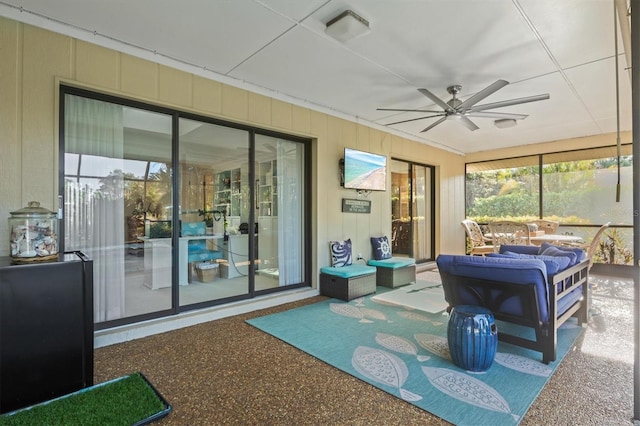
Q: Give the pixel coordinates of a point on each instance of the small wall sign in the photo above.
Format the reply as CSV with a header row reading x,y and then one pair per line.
x,y
356,206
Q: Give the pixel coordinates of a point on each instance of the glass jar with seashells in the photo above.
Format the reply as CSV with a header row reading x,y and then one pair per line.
x,y
33,234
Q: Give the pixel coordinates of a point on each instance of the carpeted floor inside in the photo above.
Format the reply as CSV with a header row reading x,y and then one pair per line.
x,y
228,372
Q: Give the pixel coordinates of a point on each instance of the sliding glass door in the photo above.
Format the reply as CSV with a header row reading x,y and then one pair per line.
x,y
280,212
179,211
214,195
412,210
117,177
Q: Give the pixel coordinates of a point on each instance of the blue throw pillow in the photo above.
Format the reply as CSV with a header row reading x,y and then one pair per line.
x,y
340,253
381,248
580,253
556,251
554,264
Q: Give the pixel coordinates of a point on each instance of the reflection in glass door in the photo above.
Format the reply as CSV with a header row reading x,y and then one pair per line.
x,y
214,195
118,180
412,210
280,212
241,227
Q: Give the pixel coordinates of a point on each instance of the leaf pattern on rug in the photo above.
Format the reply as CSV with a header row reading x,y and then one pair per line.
x,y
523,364
399,344
375,314
418,317
383,367
468,389
437,345
347,310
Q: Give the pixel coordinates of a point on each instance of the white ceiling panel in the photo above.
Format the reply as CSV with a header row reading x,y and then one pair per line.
x,y
295,10
279,47
211,34
431,44
323,72
600,99
575,31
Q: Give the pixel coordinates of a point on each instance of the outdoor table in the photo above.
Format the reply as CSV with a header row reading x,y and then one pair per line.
x,y
554,238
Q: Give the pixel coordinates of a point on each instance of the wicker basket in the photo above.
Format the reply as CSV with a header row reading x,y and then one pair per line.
x,y
207,271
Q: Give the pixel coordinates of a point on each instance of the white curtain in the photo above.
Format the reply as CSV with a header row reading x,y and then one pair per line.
x,y
290,213
94,201
420,236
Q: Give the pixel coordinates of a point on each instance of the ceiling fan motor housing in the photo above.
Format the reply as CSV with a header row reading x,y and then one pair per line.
x,y
453,103
455,89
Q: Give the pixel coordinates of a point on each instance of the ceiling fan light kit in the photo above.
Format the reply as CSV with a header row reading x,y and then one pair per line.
x,y
347,26
460,111
505,123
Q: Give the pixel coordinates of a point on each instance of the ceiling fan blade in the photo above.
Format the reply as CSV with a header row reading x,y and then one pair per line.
x,y
436,99
496,115
464,121
499,84
414,119
508,103
407,110
434,124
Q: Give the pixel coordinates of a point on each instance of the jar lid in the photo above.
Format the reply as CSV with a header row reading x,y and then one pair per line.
x,y
33,209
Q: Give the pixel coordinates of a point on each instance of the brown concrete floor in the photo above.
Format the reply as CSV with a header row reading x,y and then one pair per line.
x,y
226,372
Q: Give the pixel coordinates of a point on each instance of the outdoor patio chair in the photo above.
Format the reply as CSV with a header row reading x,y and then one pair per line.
x,y
592,246
509,232
548,226
480,245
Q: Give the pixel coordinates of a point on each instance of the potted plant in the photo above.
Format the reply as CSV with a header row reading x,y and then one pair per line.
x,y
207,217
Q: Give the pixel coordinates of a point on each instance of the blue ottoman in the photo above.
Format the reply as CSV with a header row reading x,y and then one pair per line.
x,y
473,337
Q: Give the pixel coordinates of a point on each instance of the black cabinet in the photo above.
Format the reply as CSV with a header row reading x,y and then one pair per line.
x,y
46,329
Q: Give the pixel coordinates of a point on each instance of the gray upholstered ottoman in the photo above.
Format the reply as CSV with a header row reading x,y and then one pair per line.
x,y
347,282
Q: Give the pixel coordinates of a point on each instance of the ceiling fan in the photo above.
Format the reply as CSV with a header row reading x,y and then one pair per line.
x,y
460,111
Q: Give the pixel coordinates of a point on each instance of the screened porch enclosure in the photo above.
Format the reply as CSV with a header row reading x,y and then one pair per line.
x,y
577,188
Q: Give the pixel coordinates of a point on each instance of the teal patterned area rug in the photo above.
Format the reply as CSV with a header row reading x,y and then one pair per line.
x,y
405,353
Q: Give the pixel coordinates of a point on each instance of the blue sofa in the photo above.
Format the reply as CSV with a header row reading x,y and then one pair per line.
x,y
522,286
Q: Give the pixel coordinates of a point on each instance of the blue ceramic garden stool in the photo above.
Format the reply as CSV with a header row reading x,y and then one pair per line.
x,y
473,337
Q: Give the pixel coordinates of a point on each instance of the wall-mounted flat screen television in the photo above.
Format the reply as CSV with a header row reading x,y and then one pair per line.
x,y
364,170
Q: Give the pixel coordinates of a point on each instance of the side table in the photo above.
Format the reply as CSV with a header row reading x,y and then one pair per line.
x,y
473,337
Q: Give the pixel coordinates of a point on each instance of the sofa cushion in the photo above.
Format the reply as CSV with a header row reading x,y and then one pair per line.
x,y
348,271
580,253
381,247
554,264
519,249
393,262
556,251
340,253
